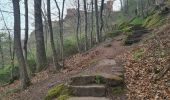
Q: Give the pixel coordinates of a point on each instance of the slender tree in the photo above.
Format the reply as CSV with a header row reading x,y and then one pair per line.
x,y
46,28
97,22
78,25
61,25
40,46
142,8
85,13
26,28
51,35
121,4
92,22
26,36
11,47
62,32
1,50
101,18
25,81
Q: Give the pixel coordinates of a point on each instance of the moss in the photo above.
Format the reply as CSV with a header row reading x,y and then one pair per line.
x,y
57,91
118,78
118,90
99,79
153,20
138,54
63,97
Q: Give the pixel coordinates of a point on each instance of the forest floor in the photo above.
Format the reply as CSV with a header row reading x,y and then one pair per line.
x,y
97,60
145,65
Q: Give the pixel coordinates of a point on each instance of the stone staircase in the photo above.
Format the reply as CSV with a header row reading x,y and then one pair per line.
x,y
93,87
137,32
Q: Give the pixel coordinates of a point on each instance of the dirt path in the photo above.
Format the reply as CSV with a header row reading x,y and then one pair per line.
x,y
103,62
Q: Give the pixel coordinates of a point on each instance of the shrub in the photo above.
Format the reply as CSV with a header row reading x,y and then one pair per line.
x,y
137,21
70,45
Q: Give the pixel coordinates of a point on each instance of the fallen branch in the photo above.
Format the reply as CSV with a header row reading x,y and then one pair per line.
x,y
163,72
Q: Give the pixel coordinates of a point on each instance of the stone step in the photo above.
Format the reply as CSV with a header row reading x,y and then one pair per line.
x,y
88,98
83,80
91,90
104,78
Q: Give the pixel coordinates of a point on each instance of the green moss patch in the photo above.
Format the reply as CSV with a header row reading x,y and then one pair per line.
x,y
138,54
61,92
153,20
118,90
63,97
99,79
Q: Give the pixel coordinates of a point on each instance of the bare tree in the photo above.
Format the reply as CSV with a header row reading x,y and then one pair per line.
x,y
51,35
97,22
1,50
61,25
92,22
40,47
101,18
78,25
62,32
25,81
46,28
85,13
11,52
26,28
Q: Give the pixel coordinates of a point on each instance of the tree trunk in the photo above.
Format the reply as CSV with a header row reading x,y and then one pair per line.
x,y
44,14
78,26
85,13
1,51
26,36
101,18
40,47
26,29
62,33
121,4
142,9
97,22
92,22
51,36
25,81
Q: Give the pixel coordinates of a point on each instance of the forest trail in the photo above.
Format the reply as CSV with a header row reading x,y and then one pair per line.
x,y
103,58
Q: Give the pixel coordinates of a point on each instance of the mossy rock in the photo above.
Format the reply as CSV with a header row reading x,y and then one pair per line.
x,y
59,91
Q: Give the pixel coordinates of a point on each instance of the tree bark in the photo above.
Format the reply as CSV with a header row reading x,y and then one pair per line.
x,y
40,47
61,25
101,18
92,22
51,36
97,22
25,81
26,28
78,26
26,36
85,13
